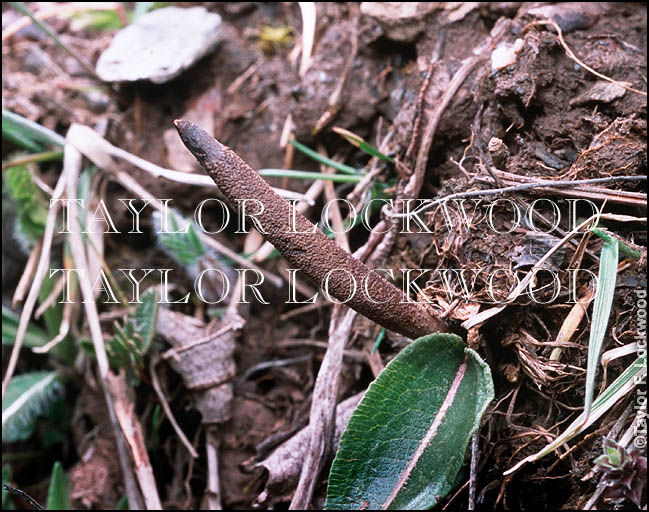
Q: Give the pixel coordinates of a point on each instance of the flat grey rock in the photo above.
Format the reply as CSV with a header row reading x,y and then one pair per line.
x,y
159,45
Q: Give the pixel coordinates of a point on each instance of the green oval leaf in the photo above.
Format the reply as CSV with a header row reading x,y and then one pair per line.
x,y
29,396
405,443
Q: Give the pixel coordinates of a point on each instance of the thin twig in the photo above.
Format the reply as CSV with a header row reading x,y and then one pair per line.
x,y
473,477
585,191
23,496
517,188
489,313
572,56
213,490
155,381
26,277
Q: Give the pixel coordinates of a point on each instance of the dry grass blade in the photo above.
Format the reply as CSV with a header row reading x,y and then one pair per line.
x,y
133,433
308,10
72,160
155,381
95,147
41,268
26,278
571,323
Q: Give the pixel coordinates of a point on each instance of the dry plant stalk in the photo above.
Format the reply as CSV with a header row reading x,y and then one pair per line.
x,y
306,247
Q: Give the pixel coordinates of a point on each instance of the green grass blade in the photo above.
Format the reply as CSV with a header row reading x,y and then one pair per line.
x,y
58,494
361,144
378,341
632,376
17,125
346,169
601,313
624,249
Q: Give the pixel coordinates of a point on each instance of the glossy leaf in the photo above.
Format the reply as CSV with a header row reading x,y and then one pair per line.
x,y
406,441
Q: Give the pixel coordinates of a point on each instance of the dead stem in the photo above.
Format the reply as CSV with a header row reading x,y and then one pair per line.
x,y
322,419
72,160
41,269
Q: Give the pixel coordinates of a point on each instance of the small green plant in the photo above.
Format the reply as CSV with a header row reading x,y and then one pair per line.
x,y
630,377
130,343
271,39
624,472
186,248
29,200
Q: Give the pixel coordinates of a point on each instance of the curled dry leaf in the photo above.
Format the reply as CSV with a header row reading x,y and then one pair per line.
x,y
284,465
203,357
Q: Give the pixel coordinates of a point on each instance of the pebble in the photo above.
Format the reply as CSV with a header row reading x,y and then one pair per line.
x,y
160,45
401,21
601,92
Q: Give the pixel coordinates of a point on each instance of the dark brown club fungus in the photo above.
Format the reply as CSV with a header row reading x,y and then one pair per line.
x,y
311,251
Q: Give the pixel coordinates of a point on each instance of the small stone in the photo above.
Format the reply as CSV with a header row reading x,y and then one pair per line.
x,y
602,92
97,101
401,21
160,45
35,60
505,54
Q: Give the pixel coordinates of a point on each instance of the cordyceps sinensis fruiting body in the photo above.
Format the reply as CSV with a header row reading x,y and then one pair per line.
x,y
308,248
